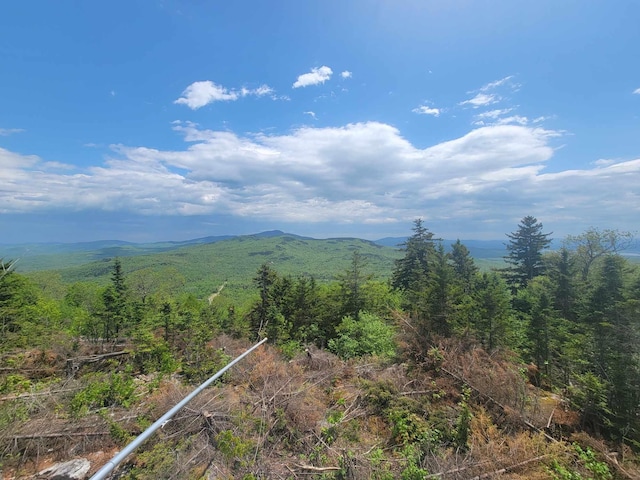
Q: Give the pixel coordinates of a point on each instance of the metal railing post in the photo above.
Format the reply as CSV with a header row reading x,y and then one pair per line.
x,y
115,461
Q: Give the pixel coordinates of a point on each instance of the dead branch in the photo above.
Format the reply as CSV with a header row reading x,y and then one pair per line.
x,y
37,394
457,470
74,364
492,400
317,469
57,435
511,467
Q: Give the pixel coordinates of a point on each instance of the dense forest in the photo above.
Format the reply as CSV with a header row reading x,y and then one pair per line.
x,y
439,369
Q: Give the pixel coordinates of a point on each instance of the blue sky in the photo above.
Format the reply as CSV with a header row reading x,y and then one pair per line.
x,y
176,119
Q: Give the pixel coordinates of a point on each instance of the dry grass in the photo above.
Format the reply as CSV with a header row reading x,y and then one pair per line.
x,y
304,418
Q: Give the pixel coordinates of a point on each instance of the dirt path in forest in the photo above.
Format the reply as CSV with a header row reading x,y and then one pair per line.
x,y
214,295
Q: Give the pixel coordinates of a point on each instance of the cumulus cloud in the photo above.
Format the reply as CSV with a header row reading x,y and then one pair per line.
x,y
348,74
426,110
357,173
199,94
317,76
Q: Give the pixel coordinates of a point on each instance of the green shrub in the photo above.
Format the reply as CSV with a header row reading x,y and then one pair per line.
x,y
14,383
369,335
117,390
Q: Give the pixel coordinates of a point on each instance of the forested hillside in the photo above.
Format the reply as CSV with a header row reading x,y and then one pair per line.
x,y
411,364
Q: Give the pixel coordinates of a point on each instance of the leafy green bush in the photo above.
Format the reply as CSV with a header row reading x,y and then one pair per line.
x,y
369,335
14,383
117,389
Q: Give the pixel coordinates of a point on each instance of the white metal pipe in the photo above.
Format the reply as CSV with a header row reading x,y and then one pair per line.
x,y
115,461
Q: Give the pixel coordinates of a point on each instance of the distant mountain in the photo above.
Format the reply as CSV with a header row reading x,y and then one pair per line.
x,y
47,256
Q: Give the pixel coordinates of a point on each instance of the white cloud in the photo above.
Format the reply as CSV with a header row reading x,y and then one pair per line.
x,y
496,84
199,94
317,76
493,114
5,132
637,91
311,114
357,173
426,110
603,162
346,74
480,100
262,90
517,119
490,93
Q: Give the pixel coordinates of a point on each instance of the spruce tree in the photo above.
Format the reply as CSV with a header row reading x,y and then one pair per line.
x,y
525,252
464,268
411,272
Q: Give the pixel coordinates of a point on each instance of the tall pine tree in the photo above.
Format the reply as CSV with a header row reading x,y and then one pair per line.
x,y
525,252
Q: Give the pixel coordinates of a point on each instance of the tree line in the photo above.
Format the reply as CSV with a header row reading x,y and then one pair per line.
x,y
572,314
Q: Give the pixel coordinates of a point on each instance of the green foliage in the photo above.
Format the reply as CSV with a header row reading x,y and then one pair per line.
x,y
203,268
14,383
152,354
290,349
232,446
369,335
116,389
17,296
380,395
351,282
408,427
587,460
594,244
492,318
581,330
589,394
463,423
525,252
204,363
154,463
412,471
380,466
411,270
560,472
600,470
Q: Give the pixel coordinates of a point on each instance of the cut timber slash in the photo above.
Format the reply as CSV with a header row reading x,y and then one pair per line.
x,y
115,461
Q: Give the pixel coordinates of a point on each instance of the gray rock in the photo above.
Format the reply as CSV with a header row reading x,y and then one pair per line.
x,y
77,469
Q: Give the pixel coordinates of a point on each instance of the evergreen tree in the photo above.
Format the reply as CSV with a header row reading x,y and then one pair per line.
x,y
616,341
541,321
116,312
17,296
464,267
439,293
412,269
264,280
525,252
305,303
561,273
492,311
351,282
